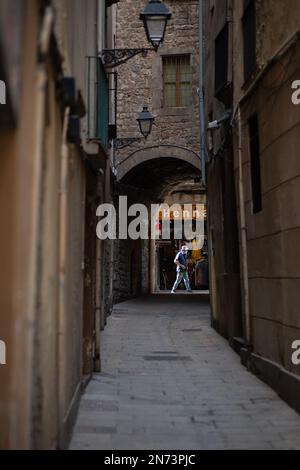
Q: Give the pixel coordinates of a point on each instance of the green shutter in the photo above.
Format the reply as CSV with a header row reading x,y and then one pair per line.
x,y
102,104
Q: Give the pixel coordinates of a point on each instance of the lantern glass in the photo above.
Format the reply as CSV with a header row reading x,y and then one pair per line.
x,y
156,29
145,121
155,18
145,128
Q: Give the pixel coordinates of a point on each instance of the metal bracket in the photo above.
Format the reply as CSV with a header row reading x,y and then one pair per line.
x,y
119,144
115,57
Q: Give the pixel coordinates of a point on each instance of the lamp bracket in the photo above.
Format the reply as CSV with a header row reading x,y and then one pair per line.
x,y
125,142
115,57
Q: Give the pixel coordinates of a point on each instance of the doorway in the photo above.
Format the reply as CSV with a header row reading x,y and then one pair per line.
x,y
165,252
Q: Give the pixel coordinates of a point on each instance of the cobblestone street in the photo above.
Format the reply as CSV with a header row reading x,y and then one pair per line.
x,y
169,381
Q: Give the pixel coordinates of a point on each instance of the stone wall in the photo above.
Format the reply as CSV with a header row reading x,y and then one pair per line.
x,y
176,133
140,79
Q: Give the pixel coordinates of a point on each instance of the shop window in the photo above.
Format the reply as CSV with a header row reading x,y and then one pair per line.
x,y
255,164
249,37
177,81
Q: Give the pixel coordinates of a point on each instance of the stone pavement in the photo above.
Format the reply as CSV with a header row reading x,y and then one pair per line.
x,y
171,382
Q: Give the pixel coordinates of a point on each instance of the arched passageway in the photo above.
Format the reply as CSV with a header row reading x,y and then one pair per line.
x,y
157,154
147,266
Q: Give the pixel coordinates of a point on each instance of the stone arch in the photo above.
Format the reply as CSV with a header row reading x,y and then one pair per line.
x,y
156,152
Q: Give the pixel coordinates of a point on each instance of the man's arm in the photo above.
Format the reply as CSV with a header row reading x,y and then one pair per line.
x,y
178,263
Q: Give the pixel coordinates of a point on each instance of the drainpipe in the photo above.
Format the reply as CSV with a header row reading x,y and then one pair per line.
x,y
62,299
243,229
201,93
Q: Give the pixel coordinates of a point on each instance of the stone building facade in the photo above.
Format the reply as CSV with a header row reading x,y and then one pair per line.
x,y
141,79
223,231
260,40
175,137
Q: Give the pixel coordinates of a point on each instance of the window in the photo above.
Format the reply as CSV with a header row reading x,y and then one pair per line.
x,y
249,36
177,81
255,164
221,59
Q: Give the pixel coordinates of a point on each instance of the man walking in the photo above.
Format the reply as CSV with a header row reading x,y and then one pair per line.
x,y
182,273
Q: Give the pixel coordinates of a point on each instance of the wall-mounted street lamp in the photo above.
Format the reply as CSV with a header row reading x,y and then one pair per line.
x,y
215,125
146,121
155,18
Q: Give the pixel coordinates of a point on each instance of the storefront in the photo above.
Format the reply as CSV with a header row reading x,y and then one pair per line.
x,y
167,248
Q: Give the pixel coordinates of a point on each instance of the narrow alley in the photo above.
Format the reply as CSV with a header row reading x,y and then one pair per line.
x,y
149,244
169,381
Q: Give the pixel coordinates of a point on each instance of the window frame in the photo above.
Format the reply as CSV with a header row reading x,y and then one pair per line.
x,y
178,81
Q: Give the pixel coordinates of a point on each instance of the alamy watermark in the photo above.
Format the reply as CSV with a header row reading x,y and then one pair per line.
x,y
2,353
2,92
138,222
296,94
296,354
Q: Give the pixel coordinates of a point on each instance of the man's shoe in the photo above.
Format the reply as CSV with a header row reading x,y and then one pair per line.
x,y
190,291
173,291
